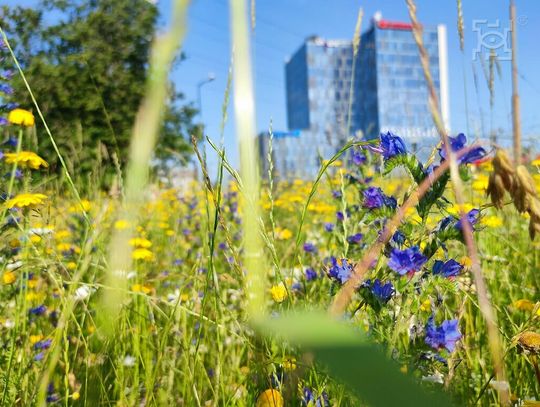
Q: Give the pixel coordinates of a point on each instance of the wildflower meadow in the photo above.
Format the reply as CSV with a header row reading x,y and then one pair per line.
x,y
389,279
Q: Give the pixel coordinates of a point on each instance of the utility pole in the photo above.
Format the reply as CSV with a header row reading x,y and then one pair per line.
x,y
516,121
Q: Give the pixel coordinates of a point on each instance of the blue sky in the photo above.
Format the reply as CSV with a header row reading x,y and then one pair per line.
x,y
282,25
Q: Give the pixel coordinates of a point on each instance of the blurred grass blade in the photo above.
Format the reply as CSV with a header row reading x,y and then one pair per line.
x,y
244,110
144,138
349,356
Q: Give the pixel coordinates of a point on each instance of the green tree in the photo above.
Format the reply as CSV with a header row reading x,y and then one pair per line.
x,y
87,64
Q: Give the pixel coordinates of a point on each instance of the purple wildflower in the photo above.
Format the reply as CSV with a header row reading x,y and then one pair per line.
x,y
383,292
339,270
329,227
310,274
444,336
310,248
355,239
451,268
392,145
406,261
472,217
458,143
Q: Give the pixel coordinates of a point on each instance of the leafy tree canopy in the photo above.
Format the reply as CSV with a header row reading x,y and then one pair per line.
x,y
87,63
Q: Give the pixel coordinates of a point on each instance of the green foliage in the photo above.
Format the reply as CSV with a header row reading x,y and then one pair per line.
x,y
87,64
347,354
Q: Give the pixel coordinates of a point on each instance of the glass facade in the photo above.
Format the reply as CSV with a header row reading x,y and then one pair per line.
x,y
389,94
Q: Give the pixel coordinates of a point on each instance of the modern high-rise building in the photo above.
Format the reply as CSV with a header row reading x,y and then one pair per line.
x,y
389,92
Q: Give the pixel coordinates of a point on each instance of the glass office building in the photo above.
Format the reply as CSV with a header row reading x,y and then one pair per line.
x,y
389,91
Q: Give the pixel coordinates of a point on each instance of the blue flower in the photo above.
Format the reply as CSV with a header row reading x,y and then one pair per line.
x,y
329,227
472,217
398,237
357,157
451,268
355,239
444,336
373,198
310,274
339,270
308,399
458,143
39,310
310,248
337,194
392,145
382,292
406,261
44,344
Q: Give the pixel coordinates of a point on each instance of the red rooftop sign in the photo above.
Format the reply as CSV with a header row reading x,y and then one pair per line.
x,y
393,25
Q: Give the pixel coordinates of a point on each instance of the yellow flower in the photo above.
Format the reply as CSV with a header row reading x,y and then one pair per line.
x,y
140,242
26,200
289,363
21,117
536,162
121,224
270,398
62,234
142,254
530,341
523,305
491,221
26,159
466,261
35,338
481,183
279,292
35,239
283,234
71,265
138,288
76,395
83,206
426,305
9,277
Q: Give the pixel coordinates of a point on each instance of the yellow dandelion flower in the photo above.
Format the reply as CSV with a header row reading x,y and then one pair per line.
x,y
270,398
426,305
26,159
121,224
140,242
283,234
466,261
35,338
71,265
62,234
530,341
279,292
26,200
523,305
35,239
9,277
83,206
480,183
139,288
491,221
536,162
142,254
21,117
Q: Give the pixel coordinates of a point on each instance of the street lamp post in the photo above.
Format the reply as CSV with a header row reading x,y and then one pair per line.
x,y
209,79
